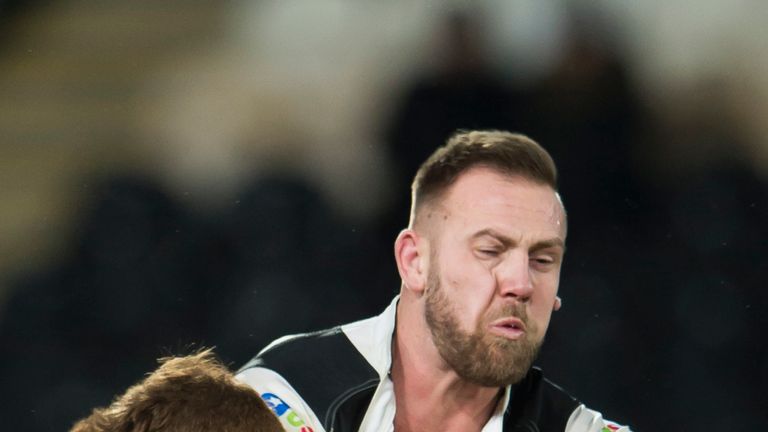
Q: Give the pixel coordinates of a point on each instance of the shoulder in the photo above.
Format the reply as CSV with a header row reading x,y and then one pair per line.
x,y
537,400
323,356
314,371
292,411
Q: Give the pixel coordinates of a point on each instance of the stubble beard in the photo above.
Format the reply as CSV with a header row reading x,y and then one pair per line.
x,y
480,357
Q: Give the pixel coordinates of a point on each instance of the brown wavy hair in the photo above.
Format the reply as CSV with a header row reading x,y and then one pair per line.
x,y
194,393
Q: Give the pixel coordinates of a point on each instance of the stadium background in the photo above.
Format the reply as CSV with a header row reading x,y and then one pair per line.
x,y
185,173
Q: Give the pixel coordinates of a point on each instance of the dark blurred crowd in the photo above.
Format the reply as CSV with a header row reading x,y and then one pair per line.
x,y
663,306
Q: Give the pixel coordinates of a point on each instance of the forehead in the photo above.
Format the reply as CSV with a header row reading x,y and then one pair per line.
x,y
482,198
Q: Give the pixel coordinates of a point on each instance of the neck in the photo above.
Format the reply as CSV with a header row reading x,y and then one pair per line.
x,y
429,395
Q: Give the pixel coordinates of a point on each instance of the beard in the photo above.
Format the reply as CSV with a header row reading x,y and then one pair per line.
x,y
480,357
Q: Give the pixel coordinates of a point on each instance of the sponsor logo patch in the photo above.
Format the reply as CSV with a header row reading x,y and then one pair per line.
x,y
285,413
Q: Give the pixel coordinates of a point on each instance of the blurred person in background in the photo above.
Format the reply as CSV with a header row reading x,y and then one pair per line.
x,y
462,89
480,266
193,394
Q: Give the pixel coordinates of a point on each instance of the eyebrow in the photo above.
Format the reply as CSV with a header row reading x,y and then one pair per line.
x,y
508,241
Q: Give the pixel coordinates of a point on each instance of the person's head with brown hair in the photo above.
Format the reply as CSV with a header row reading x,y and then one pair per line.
x,y
480,261
194,393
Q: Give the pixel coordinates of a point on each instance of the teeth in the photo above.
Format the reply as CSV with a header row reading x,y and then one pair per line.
x,y
512,325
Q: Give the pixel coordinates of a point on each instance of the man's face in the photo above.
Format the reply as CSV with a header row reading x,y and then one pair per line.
x,y
496,248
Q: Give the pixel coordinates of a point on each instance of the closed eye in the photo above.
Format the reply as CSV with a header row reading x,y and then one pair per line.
x,y
543,262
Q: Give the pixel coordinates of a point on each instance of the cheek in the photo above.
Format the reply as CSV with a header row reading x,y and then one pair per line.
x,y
541,313
543,316
542,307
471,294
469,282
546,285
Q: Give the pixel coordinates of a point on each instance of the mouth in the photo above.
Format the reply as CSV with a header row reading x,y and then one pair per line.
x,y
509,328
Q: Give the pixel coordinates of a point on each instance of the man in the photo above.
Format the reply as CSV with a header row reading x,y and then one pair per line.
x,y
480,266
190,394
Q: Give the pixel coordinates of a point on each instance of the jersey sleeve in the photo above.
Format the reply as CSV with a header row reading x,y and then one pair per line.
x,y
584,419
282,399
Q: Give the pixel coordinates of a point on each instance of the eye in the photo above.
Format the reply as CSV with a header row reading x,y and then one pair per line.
x,y
543,262
488,252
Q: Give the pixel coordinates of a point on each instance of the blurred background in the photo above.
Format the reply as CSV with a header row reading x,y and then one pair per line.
x,y
194,173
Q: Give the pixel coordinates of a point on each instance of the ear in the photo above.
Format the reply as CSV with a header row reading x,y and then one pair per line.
x,y
558,304
411,262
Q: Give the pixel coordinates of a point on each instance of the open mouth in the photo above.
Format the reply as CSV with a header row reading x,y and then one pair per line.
x,y
510,328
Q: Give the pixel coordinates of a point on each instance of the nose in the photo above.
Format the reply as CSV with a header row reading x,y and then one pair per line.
x,y
513,278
